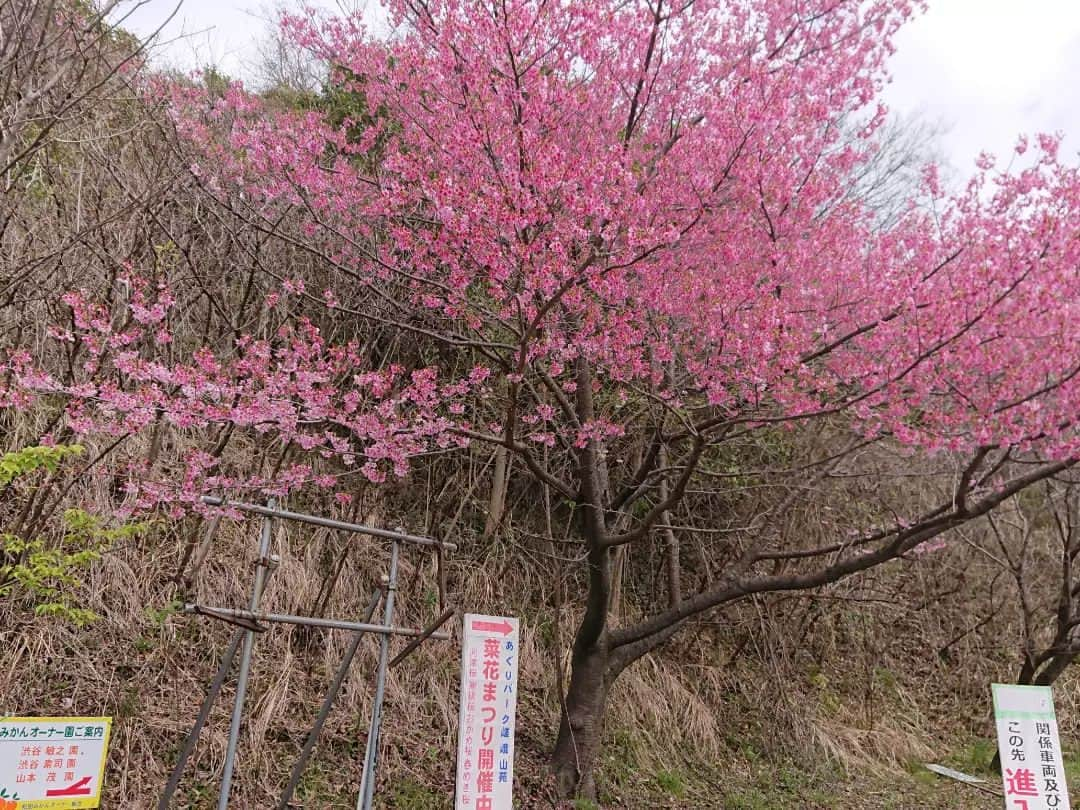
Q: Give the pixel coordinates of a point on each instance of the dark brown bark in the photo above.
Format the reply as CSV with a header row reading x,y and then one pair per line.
x,y
595,667
497,500
581,729
601,653
1052,671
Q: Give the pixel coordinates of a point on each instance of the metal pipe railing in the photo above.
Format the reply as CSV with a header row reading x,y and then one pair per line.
x,y
328,523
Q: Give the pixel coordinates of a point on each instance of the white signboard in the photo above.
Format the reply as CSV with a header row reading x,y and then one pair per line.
x,y
1032,769
959,776
52,762
489,687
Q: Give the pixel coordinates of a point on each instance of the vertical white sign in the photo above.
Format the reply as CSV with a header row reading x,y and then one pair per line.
x,y
1032,769
489,687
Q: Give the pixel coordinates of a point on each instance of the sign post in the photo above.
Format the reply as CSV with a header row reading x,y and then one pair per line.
x,y
489,687
1032,769
48,763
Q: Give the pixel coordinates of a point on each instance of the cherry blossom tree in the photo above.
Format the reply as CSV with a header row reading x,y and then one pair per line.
x,y
624,237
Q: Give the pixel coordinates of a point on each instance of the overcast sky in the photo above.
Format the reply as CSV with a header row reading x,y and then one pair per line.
x,y
987,70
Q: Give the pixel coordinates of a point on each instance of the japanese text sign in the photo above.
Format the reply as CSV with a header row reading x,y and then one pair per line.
x,y
53,762
1032,768
489,687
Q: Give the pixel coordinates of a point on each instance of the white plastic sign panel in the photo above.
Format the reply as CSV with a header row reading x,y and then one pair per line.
x,y
53,762
950,773
489,687
1032,770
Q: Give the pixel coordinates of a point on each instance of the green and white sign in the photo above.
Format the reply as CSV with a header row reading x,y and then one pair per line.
x,y
1032,769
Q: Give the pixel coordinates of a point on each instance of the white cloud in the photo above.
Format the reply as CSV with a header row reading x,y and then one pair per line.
x,y
221,33
991,70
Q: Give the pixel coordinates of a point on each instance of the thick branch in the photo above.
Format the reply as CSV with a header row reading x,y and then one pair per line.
x,y
735,588
666,504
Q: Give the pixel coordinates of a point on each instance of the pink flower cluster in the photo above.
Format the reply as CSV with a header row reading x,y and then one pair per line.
x,y
296,388
663,196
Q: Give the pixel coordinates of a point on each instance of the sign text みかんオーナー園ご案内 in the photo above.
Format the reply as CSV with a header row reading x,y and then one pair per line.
x,y
53,763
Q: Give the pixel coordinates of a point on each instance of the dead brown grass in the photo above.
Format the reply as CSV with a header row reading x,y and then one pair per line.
x,y
865,677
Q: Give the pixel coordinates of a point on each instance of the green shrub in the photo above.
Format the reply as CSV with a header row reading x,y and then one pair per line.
x,y
44,573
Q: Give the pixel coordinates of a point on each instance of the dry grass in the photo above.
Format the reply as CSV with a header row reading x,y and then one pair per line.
x,y
864,676
849,679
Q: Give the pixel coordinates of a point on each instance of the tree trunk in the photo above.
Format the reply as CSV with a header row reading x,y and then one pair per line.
x,y
581,730
1055,669
497,501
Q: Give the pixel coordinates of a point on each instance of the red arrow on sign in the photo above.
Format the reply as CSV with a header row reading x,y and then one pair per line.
x,y
80,788
503,627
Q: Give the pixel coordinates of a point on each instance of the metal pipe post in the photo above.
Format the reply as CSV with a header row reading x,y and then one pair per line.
x,y
324,710
371,756
204,712
262,565
234,616
328,523
424,636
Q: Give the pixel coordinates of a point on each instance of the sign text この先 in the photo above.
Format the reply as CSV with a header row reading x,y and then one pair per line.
x,y
1032,768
